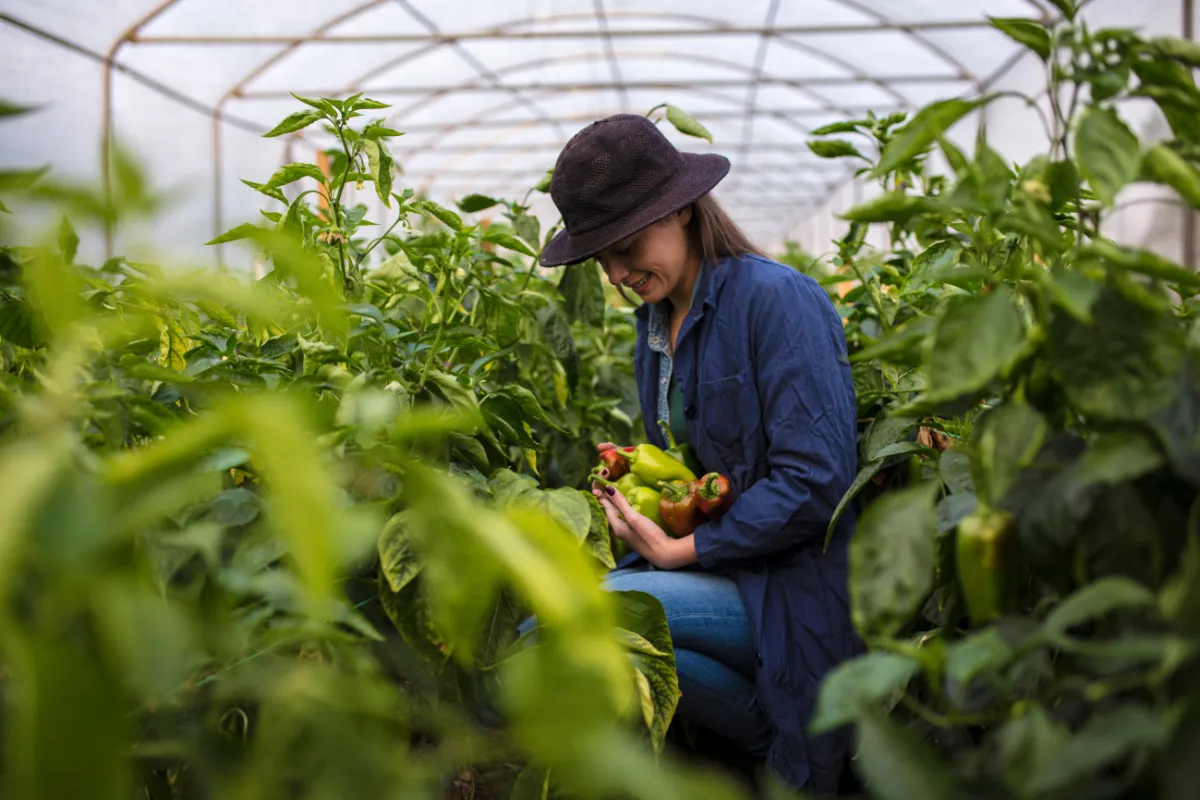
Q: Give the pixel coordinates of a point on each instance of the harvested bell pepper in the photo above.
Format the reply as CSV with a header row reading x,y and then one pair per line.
x,y
616,465
628,482
653,466
714,495
985,552
680,508
646,502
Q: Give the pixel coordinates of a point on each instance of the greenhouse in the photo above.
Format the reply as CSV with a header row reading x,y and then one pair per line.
x,y
599,399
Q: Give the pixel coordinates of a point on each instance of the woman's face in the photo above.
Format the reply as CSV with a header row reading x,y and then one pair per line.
x,y
653,261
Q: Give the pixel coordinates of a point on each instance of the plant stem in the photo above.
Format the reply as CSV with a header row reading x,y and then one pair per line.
x,y
946,720
872,292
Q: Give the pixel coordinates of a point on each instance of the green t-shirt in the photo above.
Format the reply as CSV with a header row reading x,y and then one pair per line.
x,y
675,404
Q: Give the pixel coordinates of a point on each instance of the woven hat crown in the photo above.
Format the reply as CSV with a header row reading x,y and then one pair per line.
x,y
610,168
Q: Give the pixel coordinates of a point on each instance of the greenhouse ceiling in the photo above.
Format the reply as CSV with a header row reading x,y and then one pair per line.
x,y
488,92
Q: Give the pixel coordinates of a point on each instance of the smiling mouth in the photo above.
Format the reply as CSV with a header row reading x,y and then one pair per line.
x,y
638,286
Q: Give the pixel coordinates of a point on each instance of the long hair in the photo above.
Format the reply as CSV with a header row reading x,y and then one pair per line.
x,y
714,235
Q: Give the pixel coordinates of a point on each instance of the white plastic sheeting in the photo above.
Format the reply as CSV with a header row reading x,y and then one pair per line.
x,y
488,91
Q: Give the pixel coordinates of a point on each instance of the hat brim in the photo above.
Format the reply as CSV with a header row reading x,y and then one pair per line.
x,y
697,176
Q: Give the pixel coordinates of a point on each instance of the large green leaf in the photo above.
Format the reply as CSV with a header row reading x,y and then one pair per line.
x,y
1009,438
289,173
920,132
382,168
1096,600
1028,32
1108,736
890,207
399,561
833,148
898,766
1163,165
892,558
859,686
646,636
583,294
976,340
981,652
473,203
1026,745
1109,153
294,122
19,325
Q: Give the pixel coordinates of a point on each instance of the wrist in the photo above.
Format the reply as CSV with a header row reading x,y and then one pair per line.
x,y
677,553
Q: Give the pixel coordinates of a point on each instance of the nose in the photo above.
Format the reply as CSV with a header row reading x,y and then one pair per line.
x,y
616,272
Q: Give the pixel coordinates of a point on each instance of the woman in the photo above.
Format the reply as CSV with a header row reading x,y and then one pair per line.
x,y
746,360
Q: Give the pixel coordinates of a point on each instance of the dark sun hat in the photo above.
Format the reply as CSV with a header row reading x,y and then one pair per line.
x,y
617,176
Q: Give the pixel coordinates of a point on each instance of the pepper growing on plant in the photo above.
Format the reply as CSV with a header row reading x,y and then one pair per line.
x,y
714,495
679,506
653,466
985,554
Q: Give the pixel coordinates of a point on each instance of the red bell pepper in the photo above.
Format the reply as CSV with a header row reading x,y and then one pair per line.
x,y
714,495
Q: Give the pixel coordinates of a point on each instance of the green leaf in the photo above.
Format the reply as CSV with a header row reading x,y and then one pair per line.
x,y
1062,177
294,122
543,185
1163,165
920,132
476,202
1028,744
289,173
898,766
833,148
234,507
399,560
246,230
1118,456
641,614
1067,7
976,340
686,123
892,558
1097,599
18,180
980,652
18,325
367,103
863,477
599,541
452,220
269,192
1109,153
377,130
382,169
1182,50
64,700
891,207
885,431
529,229
8,109
849,126
507,241
320,104
1009,437
532,784
1108,736
583,293
1028,32
1142,261
859,686
1071,290
954,468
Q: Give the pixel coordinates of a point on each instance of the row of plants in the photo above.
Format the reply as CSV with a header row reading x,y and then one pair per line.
x,y
1026,571
274,538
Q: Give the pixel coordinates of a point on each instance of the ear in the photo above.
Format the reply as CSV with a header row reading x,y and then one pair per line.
x,y
684,215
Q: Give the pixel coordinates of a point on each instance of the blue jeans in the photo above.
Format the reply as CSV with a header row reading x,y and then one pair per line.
x,y
714,650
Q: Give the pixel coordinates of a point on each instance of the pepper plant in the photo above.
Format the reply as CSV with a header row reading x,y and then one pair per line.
x,y
1027,582
273,538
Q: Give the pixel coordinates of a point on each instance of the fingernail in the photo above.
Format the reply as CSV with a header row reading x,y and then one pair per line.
x,y
610,490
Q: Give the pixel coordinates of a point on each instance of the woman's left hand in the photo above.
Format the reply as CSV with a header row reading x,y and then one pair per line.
x,y
642,534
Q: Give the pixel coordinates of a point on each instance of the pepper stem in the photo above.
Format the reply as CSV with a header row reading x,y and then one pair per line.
x,y
708,486
666,432
674,490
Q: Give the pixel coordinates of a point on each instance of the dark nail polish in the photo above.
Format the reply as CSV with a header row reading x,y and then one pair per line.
x,y
610,490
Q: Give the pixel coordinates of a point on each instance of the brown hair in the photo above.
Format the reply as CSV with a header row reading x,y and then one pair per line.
x,y
714,234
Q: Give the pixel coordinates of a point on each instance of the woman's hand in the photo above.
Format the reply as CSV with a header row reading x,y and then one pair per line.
x,y
642,534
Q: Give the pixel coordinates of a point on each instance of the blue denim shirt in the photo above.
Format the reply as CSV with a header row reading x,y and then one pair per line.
x,y
761,365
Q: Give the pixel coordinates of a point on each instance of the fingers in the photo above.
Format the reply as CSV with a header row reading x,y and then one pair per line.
x,y
618,500
605,446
